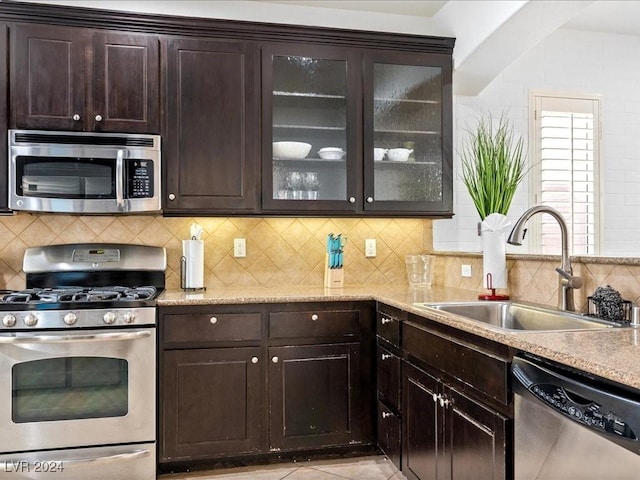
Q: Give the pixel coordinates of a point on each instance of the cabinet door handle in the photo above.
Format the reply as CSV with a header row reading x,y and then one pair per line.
x,y
254,359
275,359
369,199
213,320
352,199
384,321
98,118
76,117
386,414
386,356
445,402
314,317
172,196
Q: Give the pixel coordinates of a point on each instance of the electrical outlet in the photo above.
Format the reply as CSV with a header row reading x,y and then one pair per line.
x,y
465,271
370,247
239,247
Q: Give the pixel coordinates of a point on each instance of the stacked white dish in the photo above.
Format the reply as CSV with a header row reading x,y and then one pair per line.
x,y
331,153
291,150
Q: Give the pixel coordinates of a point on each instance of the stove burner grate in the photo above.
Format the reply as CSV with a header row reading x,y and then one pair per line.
x,y
80,294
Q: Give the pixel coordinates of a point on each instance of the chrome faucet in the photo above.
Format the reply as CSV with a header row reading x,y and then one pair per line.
x,y
567,281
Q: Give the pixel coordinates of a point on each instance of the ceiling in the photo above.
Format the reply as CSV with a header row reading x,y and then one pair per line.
x,y
481,27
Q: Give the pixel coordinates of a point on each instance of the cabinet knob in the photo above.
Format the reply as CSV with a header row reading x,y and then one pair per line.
x,y
275,359
98,118
386,356
314,317
352,199
444,401
76,117
384,321
172,196
213,320
369,199
435,397
254,359
386,414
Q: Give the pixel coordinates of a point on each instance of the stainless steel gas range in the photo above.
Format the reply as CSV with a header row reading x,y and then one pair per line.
x,y
77,364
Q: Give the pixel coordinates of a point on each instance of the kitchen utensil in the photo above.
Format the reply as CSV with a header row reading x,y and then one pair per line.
x,y
291,150
399,154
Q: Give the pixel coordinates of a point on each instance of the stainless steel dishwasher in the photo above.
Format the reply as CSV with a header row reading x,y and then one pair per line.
x,y
571,427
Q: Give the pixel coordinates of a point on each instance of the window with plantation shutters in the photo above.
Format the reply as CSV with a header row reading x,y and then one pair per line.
x,y
564,172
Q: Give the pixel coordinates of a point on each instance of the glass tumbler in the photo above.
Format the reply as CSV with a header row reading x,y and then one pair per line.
x,y
419,269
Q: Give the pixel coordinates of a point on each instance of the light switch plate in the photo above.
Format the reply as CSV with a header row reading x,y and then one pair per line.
x,y
465,271
239,247
370,247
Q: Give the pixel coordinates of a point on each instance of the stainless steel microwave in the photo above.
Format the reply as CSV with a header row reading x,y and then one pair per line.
x,y
78,172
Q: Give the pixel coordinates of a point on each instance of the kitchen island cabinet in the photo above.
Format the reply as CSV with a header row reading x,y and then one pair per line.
x,y
81,79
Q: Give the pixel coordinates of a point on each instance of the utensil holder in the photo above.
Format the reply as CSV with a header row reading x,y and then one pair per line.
x,y
333,277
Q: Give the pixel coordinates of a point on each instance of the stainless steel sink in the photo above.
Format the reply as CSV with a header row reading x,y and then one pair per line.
x,y
520,317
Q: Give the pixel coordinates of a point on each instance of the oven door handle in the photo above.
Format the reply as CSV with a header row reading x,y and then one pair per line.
x,y
120,180
119,457
99,337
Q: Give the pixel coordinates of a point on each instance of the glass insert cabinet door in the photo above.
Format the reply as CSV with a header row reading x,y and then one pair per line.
x,y
310,112
407,152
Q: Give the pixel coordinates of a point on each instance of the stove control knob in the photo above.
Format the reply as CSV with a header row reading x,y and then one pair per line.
x,y
30,320
109,317
9,320
70,318
129,317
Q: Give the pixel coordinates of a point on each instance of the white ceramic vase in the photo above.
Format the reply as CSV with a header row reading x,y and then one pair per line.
x,y
494,229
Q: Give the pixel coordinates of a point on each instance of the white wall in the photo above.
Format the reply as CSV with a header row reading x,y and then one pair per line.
x,y
566,61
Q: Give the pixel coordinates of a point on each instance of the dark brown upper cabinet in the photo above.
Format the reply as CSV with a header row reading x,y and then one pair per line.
x,y
385,116
67,78
211,141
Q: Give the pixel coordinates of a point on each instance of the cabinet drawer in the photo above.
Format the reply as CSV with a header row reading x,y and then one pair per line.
x,y
389,434
388,378
212,327
388,328
341,324
483,371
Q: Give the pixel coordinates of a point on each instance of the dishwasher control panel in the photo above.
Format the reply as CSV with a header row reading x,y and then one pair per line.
x,y
582,410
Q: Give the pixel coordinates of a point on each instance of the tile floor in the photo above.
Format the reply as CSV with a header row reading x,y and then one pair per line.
x,y
359,468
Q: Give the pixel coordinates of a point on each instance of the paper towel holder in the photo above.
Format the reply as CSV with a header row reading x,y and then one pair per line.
x,y
491,296
183,277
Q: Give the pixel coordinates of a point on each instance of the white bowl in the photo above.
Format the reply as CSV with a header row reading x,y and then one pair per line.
x,y
331,153
291,150
398,154
378,154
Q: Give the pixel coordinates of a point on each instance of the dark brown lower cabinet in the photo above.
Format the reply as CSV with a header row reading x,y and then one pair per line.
x,y
448,435
389,436
314,395
212,402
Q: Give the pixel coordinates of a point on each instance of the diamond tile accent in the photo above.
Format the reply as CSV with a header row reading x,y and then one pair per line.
x,y
291,251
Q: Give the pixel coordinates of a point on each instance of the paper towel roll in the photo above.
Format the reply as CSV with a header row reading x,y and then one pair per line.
x,y
193,253
494,250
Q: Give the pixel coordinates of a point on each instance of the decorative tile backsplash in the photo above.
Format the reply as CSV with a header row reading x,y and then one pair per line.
x,y
280,251
291,251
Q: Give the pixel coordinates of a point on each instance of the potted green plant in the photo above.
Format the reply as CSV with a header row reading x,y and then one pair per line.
x,y
493,165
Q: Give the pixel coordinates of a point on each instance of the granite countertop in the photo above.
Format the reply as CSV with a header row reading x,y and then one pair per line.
x,y
613,354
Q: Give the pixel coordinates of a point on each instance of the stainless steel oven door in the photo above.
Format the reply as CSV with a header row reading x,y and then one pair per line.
x,y
103,463
76,388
